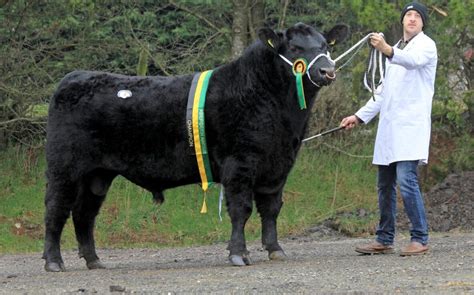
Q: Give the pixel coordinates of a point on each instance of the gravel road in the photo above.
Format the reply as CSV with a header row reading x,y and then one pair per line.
x,y
316,265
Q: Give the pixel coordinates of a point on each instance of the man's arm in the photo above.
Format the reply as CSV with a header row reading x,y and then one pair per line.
x,y
423,54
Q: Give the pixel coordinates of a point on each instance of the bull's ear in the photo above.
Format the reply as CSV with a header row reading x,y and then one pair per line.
x,y
271,39
337,34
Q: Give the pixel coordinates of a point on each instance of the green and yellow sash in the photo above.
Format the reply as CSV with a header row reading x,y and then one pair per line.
x,y
196,128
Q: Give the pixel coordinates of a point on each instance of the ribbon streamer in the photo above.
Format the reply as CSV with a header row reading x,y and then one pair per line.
x,y
199,130
300,91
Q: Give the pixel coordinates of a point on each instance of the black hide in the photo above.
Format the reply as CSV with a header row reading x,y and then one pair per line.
x,y
254,129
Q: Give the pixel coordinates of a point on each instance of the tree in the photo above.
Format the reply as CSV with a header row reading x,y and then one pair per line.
x,y
41,41
240,25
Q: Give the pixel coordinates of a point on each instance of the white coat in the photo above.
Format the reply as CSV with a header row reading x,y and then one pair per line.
x,y
404,103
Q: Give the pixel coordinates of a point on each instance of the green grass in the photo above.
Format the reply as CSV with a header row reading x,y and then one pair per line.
x,y
39,110
323,182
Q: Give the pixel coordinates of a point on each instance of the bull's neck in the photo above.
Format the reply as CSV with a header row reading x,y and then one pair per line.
x,y
259,77
262,70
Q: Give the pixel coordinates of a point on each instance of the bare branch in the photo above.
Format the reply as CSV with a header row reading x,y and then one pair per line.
x,y
147,50
158,63
197,15
207,43
31,120
281,24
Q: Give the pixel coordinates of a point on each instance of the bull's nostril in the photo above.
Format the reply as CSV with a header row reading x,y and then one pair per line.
x,y
328,72
331,75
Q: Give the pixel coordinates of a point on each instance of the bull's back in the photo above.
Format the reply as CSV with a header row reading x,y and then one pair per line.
x,y
117,101
100,92
88,119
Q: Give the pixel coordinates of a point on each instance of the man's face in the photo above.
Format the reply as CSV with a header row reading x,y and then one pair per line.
x,y
412,22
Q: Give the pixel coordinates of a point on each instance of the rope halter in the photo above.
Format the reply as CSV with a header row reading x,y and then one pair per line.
x,y
300,67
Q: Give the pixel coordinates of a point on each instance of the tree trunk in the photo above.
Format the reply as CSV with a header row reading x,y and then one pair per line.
x,y
257,17
239,27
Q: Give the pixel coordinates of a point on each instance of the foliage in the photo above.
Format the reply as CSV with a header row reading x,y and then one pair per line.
x,y
41,41
458,156
453,83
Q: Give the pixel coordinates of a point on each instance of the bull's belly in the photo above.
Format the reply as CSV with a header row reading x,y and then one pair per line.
x,y
156,172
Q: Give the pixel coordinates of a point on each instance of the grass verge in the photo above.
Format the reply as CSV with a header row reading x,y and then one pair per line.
x,y
327,179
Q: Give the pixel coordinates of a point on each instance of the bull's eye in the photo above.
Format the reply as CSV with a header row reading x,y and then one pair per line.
x,y
296,48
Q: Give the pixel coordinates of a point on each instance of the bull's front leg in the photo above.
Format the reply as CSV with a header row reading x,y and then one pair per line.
x,y
268,206
239,206
238,178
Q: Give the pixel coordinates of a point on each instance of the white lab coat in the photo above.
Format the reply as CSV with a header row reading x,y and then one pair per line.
x,y
404,103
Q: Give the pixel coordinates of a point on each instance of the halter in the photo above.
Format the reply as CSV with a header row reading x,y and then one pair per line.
x,y
375,60
300,67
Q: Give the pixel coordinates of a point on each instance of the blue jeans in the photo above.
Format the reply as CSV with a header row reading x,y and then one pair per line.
x,y
404,173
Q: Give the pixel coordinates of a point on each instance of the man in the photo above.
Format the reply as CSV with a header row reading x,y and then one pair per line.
x,y
403,134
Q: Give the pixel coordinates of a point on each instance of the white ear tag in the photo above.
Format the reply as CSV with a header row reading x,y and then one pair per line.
x,y
124,94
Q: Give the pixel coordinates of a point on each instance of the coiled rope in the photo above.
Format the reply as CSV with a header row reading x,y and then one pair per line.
x,y
374,62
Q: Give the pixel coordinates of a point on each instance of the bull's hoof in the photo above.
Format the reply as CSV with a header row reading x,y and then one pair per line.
x,y
54,267
96,264
238,260
278,255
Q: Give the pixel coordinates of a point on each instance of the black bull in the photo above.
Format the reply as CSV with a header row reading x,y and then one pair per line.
x,y
254,128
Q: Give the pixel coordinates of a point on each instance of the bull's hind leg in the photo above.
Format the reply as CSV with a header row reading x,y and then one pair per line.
x,y
83,216
87,207
268,206
59,200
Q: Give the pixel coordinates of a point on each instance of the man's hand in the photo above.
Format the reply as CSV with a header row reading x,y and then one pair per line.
x,y
377,40
350,122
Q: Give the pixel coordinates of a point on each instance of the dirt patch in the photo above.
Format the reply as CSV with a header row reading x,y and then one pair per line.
x,y
24,226
449,204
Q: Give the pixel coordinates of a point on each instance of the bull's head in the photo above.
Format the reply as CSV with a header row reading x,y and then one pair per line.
x,y
301,45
